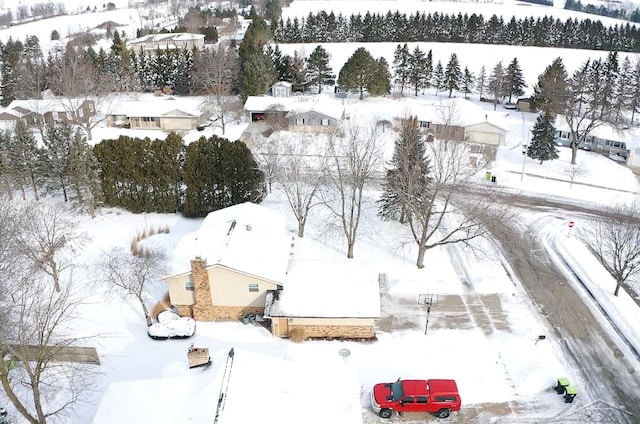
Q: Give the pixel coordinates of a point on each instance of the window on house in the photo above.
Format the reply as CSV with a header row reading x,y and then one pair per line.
x,y
188,286
90,107
325,122
564,135
55,115
425,124
148,119
81,112
300,121
254,287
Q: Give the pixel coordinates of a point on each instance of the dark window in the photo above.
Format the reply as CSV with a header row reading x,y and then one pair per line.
x,y
254,287
445,398
421,399
189,286
408,399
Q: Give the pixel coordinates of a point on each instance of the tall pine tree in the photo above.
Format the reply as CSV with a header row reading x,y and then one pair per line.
x,y
319,71
453,75
514,80
542,146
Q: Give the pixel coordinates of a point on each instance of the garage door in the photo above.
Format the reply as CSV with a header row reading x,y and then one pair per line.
x,y
485,137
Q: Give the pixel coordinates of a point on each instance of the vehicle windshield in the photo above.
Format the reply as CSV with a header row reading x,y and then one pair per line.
x,y
396,390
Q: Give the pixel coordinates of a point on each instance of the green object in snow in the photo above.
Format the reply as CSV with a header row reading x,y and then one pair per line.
x,y
572,390
563,382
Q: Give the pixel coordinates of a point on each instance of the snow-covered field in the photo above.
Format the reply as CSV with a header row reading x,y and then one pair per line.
x,y
504,367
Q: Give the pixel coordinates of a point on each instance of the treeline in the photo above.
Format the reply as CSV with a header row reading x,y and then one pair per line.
x,y
602,10
441,27
144,175
140,175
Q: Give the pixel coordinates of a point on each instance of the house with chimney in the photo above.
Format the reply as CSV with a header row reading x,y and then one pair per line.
x,y
243,260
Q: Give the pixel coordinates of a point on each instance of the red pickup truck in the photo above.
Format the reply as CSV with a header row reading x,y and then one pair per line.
x,y
439,397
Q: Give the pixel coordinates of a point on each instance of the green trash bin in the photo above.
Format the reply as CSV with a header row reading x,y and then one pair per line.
x,y
570,393
488,176
562,385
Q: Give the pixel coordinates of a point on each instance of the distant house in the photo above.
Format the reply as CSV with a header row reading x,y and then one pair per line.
x,y
50,111
160,113
319,113
616,143
240,260
457,120
172,41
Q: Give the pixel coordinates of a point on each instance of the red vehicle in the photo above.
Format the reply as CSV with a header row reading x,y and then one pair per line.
x,y
439,397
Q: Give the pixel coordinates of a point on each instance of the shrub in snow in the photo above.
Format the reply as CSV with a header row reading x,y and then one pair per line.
x,y
171,326
297,334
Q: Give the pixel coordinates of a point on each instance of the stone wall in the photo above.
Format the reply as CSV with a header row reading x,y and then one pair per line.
x,y
203,307
185,310
337,331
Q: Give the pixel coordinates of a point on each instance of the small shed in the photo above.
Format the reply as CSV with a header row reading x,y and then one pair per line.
x,y
524,104
281,89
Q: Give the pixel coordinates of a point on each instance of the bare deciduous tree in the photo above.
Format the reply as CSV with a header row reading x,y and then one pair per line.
x,y
214,73
614,237
48,238
355,155
77,81
131,275
300,175
34,326
573,171
440,206
269,152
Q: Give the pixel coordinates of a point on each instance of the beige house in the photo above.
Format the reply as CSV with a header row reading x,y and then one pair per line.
x,y
172,41
165,114
240,261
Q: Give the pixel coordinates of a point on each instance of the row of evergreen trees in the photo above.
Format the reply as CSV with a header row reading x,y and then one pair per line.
x,y
140,175
144,175
442,27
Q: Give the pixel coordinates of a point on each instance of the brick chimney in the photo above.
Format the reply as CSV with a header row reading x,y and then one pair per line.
x,y
203,307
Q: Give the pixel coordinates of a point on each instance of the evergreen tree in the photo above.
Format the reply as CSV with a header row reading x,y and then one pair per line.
x,y
481,81
298,71
401,66
380,83
453,75
497,86
119,44
542,146
623,90
57,140
417,69
10,54
438,78
219,173
24,159
407,174
609,81
256,67
319,71
514,80
84,174
635,91
550,93
358,72
467,82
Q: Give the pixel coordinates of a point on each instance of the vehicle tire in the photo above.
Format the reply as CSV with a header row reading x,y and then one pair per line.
x,y
443,413
385,413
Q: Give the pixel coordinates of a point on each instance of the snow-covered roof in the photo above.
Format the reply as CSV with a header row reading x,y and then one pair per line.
x,y
166,38
454,111
159,107
261,389
39,105
248,238
315,287
321,103
629,135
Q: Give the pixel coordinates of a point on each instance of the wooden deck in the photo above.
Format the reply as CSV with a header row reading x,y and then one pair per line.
x,y
80,355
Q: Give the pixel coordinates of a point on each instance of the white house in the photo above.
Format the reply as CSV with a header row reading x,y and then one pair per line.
x,y
163,113
170,41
